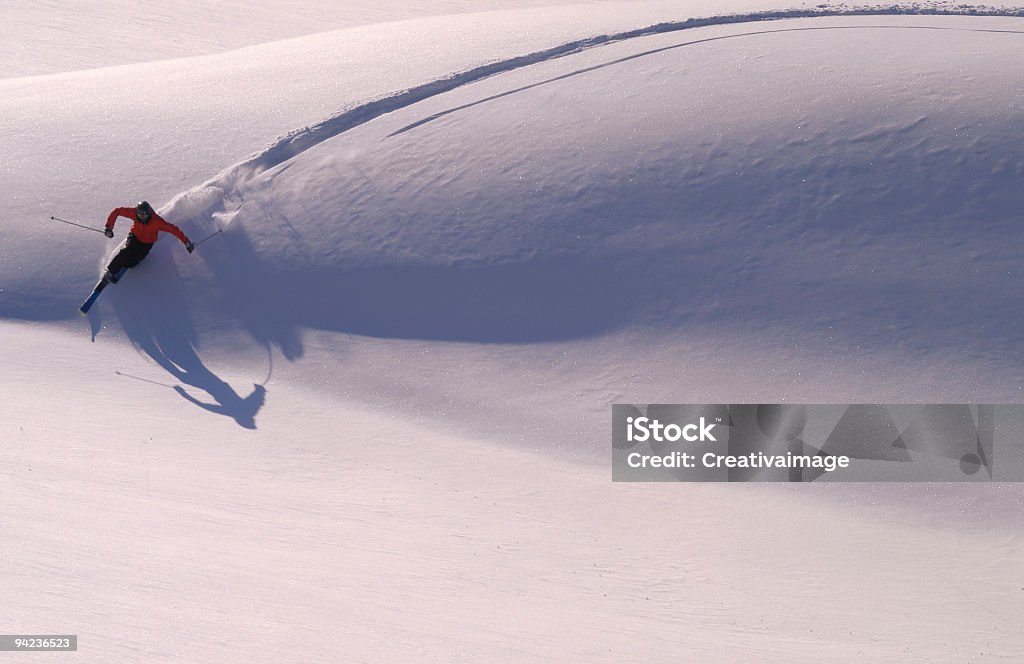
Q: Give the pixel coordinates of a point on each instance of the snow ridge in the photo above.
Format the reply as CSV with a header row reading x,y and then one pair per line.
x,y
219,198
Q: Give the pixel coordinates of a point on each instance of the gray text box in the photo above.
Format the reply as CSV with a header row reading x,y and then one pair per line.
x,y
38,642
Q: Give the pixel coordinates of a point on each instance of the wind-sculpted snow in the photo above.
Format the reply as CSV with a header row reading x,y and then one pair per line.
x,y
297,142
862,204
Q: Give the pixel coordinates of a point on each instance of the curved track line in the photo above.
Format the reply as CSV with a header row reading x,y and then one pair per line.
x,y
655,51
221,193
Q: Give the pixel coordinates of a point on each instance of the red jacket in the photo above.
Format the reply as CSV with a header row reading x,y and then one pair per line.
x,y
146,232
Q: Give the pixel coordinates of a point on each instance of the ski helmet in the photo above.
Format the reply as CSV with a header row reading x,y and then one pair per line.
x,y
143,211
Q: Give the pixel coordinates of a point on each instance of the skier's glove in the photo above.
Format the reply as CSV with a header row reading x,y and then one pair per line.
x,y
189,247
109,232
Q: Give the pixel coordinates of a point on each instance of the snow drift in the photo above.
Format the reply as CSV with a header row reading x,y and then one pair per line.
x,y
863,203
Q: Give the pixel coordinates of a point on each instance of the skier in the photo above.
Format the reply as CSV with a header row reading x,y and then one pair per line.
x,y
143,234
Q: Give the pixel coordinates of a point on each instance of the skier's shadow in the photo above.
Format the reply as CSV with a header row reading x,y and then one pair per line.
x,y
154,313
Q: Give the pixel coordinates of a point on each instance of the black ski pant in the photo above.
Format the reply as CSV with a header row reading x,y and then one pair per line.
x,y
131,254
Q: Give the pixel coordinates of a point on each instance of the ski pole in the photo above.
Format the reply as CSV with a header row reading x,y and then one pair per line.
x,y
196,244
71,223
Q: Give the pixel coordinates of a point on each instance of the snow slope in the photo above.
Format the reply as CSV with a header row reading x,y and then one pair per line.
x,y
642,193
146,128
368,422
54,37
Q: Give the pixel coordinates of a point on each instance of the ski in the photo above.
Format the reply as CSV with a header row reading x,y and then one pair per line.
x,y
107,279
91,300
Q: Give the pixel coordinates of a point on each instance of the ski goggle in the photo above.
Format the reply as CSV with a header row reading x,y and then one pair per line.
x,y
142,215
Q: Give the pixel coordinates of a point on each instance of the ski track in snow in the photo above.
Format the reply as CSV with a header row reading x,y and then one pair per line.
x,y
663,49
220,197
